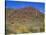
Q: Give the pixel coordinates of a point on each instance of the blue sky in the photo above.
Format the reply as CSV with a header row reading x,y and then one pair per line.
x,y
20,4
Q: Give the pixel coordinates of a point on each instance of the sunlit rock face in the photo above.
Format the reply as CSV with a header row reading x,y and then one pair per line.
x,y
24,20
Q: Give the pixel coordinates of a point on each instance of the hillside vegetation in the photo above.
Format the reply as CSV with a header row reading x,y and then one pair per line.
x,y
24,20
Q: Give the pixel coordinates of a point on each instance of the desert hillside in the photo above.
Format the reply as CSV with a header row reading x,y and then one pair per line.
x,y
24,20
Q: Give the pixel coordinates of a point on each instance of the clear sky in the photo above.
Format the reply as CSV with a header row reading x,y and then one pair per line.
x,y
20,4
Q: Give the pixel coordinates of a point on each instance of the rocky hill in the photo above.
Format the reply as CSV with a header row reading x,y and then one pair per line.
x,y
24,20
